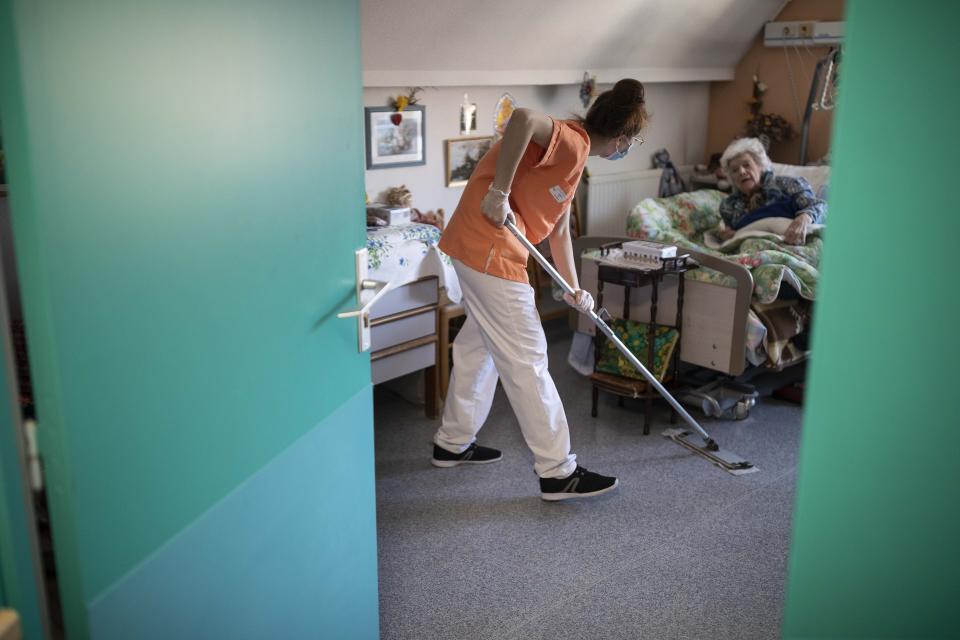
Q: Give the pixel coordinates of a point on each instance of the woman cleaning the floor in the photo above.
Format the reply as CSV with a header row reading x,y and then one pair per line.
x,y
530,177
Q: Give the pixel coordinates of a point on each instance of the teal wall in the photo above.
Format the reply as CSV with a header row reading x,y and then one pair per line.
x,y
877,517
187,186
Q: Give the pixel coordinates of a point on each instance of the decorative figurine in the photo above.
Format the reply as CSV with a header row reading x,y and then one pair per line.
x,y
587,88
468,116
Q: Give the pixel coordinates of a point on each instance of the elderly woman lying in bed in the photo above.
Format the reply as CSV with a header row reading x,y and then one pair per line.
x,y
759,194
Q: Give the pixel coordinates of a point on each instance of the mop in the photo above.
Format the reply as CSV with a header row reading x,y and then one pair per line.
x,y
708,448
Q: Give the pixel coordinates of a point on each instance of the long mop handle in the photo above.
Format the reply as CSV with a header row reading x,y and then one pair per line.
x,y
607,331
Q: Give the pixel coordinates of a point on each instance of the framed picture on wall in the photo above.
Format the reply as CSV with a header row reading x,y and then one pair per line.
x,y
463,155
395,138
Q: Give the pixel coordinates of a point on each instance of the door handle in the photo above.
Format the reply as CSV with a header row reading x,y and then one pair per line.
x,y
362,313
380,288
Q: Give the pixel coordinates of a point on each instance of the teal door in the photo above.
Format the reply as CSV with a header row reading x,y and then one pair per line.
x,y
877,515
186,183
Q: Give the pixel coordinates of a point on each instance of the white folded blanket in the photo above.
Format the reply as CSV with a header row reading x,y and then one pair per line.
x,y
763,228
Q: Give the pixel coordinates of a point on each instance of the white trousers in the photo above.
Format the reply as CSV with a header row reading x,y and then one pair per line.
x,y
502,337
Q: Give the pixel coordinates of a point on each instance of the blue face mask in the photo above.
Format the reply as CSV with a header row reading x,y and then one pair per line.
x,y
617,155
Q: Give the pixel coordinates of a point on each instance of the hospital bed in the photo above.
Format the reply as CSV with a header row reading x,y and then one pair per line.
x,y
714,315
717,319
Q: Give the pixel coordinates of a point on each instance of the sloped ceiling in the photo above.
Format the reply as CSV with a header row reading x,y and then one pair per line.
x,y
502,42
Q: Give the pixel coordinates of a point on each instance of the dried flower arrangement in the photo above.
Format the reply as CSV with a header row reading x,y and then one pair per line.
x,y
768,127
401,102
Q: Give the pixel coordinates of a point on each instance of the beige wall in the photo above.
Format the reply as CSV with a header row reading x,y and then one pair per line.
x,y
679,124
728,100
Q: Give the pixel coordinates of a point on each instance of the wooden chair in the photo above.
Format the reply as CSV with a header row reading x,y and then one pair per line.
x,y
448,313
10,628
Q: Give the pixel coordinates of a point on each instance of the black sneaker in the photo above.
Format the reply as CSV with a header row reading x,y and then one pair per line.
x,y
579,484
474,454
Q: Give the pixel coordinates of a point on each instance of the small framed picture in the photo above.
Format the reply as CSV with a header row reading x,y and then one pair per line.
x,y
463,155
395,138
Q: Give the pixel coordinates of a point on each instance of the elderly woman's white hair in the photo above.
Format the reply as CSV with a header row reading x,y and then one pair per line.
x,y
753,146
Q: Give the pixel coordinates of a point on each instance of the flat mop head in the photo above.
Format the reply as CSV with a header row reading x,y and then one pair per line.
x,y
726,460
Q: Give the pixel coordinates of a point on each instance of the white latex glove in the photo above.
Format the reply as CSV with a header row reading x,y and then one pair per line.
x,y
496,206
797,231
583,302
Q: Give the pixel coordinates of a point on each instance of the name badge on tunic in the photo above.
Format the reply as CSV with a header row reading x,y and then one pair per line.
x,y
558,193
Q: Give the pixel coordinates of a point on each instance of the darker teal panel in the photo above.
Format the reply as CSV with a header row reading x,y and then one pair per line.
x,y
878,515
19,578
284,555
187,192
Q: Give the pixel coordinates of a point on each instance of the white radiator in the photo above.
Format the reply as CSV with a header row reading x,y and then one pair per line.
x,y
611,197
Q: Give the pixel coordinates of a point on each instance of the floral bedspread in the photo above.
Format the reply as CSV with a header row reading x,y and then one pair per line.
x,y
683,219
404,253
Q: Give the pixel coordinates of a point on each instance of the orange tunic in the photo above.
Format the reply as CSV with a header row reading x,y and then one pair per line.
x,y
543,187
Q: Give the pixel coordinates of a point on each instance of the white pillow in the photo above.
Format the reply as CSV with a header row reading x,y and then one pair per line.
x,y
818,176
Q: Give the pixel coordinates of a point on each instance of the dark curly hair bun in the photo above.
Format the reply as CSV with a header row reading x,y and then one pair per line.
x,y
619,111
628,92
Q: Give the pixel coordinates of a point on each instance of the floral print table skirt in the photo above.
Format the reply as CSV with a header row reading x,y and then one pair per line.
x,y
404,253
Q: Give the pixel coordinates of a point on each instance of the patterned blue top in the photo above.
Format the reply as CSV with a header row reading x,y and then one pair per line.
x,y
774,189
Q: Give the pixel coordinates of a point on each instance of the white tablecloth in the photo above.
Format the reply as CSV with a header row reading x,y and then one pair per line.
x,y
405,253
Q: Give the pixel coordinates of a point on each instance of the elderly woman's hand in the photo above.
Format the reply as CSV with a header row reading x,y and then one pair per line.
x,y
797,231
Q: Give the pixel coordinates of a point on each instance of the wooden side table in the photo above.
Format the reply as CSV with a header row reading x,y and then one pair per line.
x,y
630,278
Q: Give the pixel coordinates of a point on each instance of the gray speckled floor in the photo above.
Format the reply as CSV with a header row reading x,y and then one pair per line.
x,y
680,550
